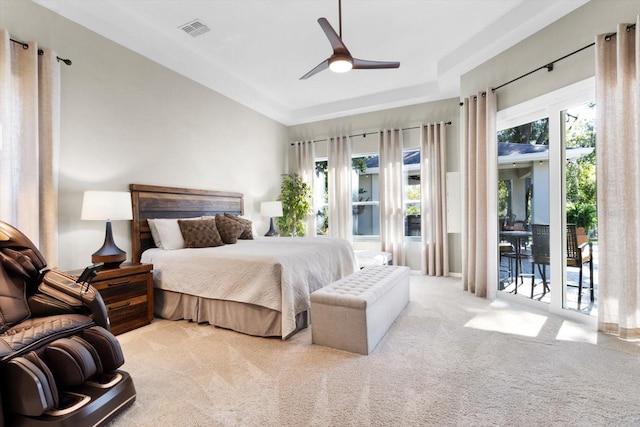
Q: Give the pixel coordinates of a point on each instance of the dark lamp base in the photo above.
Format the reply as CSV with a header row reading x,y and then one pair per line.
x,y
272,231
110,261
111,255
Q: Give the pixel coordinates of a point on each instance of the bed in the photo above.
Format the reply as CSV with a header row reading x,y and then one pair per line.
x,y
259,287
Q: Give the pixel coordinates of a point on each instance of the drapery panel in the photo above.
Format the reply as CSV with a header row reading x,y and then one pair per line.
x,y
433,164
618,171
305,158
29,142
339,188
480,166
391,195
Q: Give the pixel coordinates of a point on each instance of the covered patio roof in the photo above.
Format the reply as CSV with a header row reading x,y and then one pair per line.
x,y
510,153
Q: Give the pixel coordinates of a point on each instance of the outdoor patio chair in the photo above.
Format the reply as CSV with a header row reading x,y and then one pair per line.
x,y
506,250
577,256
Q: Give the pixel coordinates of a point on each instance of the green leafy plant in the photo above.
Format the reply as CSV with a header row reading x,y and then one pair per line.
x,y
295,195
582,215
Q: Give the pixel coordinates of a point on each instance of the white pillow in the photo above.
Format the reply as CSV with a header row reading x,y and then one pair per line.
x,y
166,232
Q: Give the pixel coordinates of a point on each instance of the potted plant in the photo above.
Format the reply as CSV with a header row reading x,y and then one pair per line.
x,y
583,215
295,195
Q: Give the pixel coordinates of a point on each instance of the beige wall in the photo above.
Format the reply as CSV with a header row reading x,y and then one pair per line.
x,y
402,117
574,31
126,119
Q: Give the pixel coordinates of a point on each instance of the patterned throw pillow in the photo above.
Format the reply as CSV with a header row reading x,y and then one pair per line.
x,y
202,233
229,229
247,233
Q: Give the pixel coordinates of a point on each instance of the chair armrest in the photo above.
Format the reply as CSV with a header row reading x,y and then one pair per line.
x,y
61,287
586,248
64,288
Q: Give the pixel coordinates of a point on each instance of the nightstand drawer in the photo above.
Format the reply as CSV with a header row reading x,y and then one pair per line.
x,y
121,288
128,314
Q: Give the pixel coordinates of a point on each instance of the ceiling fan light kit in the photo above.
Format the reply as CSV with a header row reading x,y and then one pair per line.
x,y
341,61
340,64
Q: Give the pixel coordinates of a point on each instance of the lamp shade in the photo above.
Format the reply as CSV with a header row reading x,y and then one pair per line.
x,y
106,205
271,209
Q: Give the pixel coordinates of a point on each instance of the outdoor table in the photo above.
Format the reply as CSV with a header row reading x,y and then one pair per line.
x,y
516,236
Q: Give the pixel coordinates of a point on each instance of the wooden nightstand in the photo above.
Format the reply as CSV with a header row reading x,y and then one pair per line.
x,y
127,292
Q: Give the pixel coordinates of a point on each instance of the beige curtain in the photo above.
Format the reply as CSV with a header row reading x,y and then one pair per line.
x,y
306,167
391,192
618,171
480,166
29,142
339,188
433,164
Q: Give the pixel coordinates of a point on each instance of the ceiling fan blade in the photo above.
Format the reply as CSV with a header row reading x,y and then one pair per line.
x,y
363,64
336,43
321,66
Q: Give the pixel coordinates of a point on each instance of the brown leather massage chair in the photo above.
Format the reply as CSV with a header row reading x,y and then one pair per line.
x,y
58,360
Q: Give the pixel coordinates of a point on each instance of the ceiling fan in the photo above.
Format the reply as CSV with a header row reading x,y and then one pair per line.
x,y
341,61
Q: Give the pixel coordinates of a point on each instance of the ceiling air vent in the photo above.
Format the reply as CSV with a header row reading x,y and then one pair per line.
x,y
194,28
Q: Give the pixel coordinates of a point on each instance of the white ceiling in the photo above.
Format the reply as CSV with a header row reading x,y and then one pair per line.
x,y
256,50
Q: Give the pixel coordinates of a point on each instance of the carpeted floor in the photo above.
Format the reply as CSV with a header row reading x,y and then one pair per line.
x,y
450,359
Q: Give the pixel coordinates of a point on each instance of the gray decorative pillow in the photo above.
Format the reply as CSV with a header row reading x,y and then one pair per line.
x,y
247,233
201,233
229,229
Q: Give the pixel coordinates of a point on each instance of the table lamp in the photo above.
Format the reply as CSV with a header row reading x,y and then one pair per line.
x,y
109,206
271,209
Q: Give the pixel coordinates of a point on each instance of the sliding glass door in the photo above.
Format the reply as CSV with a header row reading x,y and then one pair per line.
x,y
581,254
546,208
523,200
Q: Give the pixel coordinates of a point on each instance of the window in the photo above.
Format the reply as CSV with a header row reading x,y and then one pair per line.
x,y
321,197
366,197
412,213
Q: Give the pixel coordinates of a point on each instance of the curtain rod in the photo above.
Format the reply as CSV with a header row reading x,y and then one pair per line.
x,y
364,135
25,46
549,66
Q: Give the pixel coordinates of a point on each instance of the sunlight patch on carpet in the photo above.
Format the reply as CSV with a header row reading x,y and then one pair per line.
x,y
514,322
572,331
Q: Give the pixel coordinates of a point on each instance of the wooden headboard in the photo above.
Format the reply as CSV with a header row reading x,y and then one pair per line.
x,y
150,201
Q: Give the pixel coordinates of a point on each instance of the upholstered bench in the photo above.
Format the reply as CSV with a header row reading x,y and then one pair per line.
x,y
355,312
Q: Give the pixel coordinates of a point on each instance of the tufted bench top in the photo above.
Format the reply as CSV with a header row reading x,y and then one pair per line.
x,y
360,289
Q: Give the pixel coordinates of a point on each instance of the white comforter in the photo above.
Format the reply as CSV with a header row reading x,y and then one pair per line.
x,y
277,273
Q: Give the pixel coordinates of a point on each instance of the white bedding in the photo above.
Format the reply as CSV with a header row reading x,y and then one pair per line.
x,y
277,273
